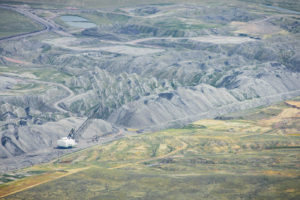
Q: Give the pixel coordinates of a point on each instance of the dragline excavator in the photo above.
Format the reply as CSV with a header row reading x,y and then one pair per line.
x,y
73,137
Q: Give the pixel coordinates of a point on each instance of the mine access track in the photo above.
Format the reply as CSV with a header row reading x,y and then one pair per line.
x,y
47,25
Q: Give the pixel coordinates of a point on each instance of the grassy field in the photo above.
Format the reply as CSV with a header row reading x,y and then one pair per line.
x,y
44,74
12,23
97,3
98,18
287,4
238,158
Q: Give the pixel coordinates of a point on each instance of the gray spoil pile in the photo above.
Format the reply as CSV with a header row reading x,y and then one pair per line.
x,y
242,91
23,146
16,140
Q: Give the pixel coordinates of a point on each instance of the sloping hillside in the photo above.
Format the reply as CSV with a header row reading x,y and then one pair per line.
x,y
253,154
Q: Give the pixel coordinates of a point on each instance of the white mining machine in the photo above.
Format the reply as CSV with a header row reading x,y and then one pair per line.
x,y
72,139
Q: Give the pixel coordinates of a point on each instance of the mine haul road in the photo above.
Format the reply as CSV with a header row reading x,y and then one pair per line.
x,y
47,25
56,104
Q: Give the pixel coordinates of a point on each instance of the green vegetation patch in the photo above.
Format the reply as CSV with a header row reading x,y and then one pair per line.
x,y
51,75
99,183
36,171
194,126
44,74
180,25
96,3
13,23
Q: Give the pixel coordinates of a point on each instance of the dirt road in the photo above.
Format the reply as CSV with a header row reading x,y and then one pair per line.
x,y
56,104
47,25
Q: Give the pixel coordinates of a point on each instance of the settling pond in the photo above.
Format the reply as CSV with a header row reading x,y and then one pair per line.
x,y
76,21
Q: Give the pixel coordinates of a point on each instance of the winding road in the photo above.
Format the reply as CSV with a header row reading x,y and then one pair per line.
x,y
56,104
47,25
71,94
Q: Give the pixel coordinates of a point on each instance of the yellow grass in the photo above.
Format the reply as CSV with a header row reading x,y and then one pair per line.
x,y
284,116
286,173
293,103
33,181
